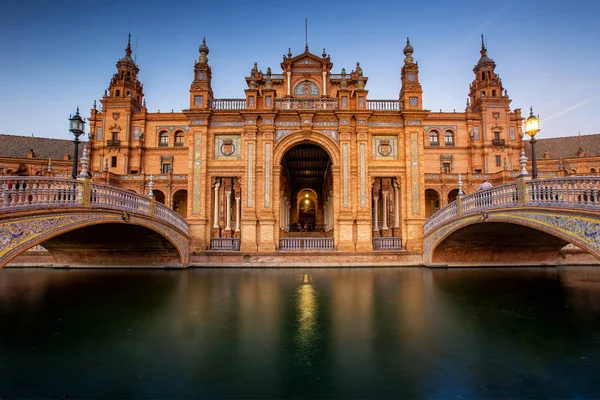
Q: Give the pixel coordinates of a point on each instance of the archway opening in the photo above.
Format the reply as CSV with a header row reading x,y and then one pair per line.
x,y
306,197
180,203
452,195
432,202
159,196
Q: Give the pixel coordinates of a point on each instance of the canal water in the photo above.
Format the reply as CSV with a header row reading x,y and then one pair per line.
x,y
300,333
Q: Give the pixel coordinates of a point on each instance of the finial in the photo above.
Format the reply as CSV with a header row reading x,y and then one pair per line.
x,y
151,187
84,161
203,49
523,162
289,52
324,55
94,104
482,43
460,184
128,49
530,110
468,103
49,165
408,50
106,165
144,103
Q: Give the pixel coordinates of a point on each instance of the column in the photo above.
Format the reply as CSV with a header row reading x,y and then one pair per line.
x,y
396,205
385,210
228,210
216,213
238,210
289,83
375,220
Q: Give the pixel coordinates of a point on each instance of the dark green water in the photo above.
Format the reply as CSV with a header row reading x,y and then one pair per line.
x,y
325,333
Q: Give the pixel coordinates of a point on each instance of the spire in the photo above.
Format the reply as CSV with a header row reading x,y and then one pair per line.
x,y
408,50
128,49
203,49
484,58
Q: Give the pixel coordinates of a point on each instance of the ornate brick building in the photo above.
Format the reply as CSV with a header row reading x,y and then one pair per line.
x,y
306,160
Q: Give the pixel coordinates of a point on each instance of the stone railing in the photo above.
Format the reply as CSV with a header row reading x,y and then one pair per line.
x,y
227,104
305,244
383,105
387,243
227,244
306,104
580,192
33,193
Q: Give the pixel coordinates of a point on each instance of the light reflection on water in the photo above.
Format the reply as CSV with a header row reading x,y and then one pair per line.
x,y
320,333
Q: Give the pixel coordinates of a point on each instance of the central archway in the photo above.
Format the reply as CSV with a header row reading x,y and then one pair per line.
x,y
306,197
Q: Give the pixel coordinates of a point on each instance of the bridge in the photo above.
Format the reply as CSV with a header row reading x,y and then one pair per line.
x,y
524,222
85,223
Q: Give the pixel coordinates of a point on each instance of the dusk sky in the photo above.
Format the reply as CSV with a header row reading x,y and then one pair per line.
x,y
56,55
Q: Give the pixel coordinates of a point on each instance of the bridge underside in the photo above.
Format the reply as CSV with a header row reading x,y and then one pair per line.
x,y
111,244
498,243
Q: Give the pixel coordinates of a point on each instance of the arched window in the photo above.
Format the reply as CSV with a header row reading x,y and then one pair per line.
x,y
449,138
178,139
434,138
163,139
306,89
592,170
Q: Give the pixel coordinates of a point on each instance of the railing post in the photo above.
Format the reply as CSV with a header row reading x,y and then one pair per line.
x,y
523,196
459,196
84,191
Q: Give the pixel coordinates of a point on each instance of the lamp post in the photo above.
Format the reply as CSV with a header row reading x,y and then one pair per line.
x,y
76,127
532,127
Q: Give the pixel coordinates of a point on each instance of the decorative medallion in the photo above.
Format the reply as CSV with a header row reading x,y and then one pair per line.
x,y
227,147
412,77
413,101
496,114
116,115
199,100
384,147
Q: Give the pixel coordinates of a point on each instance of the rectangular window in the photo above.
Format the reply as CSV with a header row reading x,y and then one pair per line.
x,y
250,101
165,168
478,171
512,133
446,168
269,102
113,162
115,136
136,133
476,132
496,135
99,133
498,161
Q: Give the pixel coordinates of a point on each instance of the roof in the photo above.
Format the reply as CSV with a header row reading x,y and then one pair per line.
x,y
566,147
12,146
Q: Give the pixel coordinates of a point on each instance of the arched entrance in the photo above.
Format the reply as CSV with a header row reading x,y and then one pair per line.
x,y
159,196
306,199
180,203
452,195
432,202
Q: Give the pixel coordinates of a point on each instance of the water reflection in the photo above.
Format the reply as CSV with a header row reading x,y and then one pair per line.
x,y
345,333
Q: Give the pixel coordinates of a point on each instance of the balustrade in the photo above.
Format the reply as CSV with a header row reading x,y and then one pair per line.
x,y
306,104
228,244
571,192
227,104
303,243
383,105
24,193
387,243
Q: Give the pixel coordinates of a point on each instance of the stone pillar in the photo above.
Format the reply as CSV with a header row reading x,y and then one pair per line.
x,y
228,210
385,211
216,211
375,212
396,206
238,210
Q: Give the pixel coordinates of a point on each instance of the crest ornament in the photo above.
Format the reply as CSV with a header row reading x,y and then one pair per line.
x,y
116,115
227,147
384,148
496,114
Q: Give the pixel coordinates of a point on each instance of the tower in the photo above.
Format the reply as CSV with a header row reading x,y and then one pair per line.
x,y
201,91
487,84
411,94
125,84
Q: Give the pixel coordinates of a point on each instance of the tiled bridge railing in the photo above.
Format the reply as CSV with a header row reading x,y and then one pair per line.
x,y
33,193
580,192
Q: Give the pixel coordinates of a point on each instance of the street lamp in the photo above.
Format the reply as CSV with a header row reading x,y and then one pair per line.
x,y
76,127
532,127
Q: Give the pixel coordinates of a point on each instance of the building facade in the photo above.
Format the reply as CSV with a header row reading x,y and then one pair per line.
x,y
305,160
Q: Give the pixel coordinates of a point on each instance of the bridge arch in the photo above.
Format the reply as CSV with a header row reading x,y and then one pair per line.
x,y
308,137
73,231
513,236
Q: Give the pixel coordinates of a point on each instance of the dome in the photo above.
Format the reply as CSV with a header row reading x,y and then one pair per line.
x,y
203,47
408,49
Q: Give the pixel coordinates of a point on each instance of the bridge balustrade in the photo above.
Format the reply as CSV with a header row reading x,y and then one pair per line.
x,y
35,192
571,192
32,192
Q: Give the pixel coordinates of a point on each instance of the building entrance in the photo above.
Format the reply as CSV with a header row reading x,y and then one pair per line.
x,y
306,213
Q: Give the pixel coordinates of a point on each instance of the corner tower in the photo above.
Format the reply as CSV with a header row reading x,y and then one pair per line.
x,y
125,84
201,91
487,84
411,94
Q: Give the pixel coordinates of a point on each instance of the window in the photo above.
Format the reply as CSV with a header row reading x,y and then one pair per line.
x,y
496,135
446,168
163,139
493,92
165,168
307,89
478,171
498,161
117,93
476,132
115,136
449,138
113,162
178,139
483,93
434,138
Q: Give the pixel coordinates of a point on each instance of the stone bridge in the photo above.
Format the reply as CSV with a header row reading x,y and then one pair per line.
x,y
525,222
85,223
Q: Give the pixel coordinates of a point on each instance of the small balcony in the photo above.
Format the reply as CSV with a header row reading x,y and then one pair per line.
x,y
499,142
113,143
225,244
387,243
